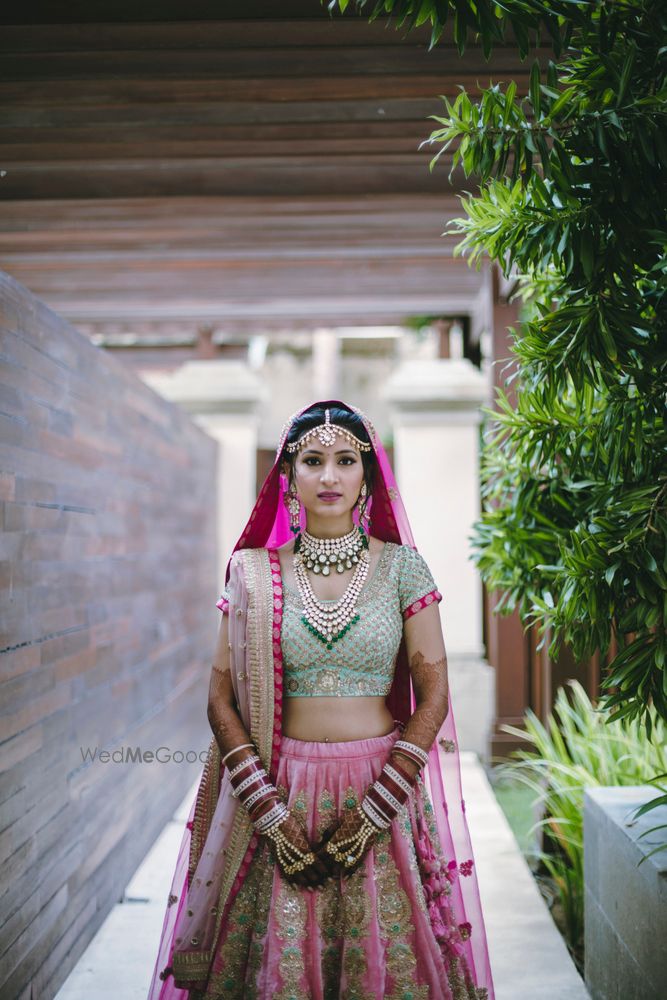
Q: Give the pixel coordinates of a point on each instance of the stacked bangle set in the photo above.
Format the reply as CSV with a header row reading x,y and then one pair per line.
x,y
256,792
392,788
380,805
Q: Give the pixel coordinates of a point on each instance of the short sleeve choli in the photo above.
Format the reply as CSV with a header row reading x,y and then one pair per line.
x,y
362,662
416,585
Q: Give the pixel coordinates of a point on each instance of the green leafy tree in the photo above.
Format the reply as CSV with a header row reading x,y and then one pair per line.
x,y
572,201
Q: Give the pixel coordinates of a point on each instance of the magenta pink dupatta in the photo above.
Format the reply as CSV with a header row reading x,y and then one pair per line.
x,y
219,842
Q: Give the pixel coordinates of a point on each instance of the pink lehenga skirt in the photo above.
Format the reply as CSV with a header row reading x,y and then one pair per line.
x,y
363,937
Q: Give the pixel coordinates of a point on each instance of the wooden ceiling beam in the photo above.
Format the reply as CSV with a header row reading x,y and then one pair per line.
x,y
167,167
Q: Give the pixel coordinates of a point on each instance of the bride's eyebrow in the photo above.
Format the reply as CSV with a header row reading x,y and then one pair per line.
x,y
341,451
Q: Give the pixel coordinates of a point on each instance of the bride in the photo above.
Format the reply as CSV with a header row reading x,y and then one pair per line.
x,y
327,853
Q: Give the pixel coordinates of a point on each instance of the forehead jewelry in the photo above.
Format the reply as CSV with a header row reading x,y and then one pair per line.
x,y
290,420
326,434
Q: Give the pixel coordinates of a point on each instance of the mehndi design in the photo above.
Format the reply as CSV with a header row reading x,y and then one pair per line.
x,y
432,691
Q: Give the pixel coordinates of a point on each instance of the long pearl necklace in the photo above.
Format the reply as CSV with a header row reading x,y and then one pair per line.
x,y
329,621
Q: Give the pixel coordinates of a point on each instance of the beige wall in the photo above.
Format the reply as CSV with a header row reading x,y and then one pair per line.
x,y
435,415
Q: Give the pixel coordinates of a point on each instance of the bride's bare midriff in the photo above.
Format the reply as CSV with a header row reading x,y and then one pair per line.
x,y
327,719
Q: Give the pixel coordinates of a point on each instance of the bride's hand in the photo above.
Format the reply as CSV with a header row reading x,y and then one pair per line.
x,y
346,826
313,874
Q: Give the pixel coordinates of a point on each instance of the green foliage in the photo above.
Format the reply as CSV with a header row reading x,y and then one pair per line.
x,y
577,749
420,323
575,474
483,18
572,200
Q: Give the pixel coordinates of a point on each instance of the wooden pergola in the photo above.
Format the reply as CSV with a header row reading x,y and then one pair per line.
x,y
164,174
176,168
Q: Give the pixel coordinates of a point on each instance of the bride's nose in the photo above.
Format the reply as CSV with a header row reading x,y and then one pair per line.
x,y
329,473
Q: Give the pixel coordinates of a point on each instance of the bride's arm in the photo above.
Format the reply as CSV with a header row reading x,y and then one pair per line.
x,y
425,647
223,716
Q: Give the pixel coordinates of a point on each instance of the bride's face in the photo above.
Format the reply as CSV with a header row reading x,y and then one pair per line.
x,y
336,470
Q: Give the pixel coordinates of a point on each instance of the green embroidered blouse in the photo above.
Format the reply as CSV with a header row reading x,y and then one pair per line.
x,y
362,662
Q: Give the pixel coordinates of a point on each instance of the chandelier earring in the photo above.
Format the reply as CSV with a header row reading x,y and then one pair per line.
x,y
293,505
363,502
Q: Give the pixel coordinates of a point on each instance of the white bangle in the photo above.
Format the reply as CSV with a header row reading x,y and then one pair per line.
x,y
412,748
376,808
250,780
397,778
242,747
244,763
387,796
270,819
373,816
261,793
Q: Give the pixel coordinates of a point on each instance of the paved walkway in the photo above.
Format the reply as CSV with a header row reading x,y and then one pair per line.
x,y
528,956
529,959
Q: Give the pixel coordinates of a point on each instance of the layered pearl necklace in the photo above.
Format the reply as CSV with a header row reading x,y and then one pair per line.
x,y
330,620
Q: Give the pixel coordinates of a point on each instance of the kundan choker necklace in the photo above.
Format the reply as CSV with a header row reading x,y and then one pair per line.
x,y
330,620
320,554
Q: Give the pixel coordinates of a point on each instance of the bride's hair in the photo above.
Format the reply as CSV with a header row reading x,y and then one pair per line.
x,y
341,416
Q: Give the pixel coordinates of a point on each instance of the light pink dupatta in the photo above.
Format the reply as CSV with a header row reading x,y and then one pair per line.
x,y
219,843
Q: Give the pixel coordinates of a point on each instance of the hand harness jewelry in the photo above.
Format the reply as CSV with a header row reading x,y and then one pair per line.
x,y
350,849
378,809
330,620
253,788
291,858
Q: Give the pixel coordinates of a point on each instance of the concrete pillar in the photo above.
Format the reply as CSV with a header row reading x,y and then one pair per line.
x,y
435,412
223,397
326,364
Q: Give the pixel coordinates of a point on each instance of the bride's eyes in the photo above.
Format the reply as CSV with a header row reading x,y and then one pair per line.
x,y
345,458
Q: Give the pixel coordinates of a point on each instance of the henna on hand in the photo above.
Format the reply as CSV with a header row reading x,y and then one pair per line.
x,y
223,717
226,725
432,691
314,874
348,824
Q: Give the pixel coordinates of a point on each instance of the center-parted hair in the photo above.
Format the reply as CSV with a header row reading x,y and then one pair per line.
x,y
341,416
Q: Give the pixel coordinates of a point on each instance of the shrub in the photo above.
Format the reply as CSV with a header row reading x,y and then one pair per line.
x,y
577,749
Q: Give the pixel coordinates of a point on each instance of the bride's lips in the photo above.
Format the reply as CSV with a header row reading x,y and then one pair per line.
x,y
329,496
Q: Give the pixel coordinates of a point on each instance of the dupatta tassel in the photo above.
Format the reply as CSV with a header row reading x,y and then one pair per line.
x,y
432,884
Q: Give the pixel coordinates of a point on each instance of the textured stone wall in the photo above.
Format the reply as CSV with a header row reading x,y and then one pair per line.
x,y
107,624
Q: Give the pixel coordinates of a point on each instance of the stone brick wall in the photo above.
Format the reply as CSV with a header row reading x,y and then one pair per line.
x,y
107,624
